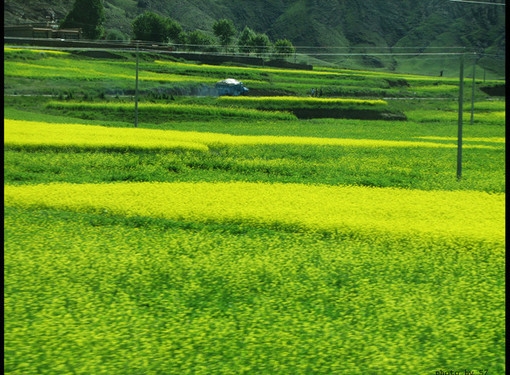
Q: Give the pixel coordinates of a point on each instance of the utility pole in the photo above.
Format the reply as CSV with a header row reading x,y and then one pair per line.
x,y
459,136
461,90
136,88
473,93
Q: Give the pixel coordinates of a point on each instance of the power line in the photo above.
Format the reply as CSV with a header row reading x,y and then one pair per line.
x,y
382,47
477,2
390,54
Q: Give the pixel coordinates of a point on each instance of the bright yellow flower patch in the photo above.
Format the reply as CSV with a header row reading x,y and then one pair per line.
x,y
21,133
293,100
469,139
470,214
49,51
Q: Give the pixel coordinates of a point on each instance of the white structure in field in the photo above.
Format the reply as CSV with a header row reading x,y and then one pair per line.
x,y
230,87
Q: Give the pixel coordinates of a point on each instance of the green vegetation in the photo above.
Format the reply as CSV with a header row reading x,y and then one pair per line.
x,y
90,293
159,112
283,49
278,102
87,15
225,31
46,73
150,26
217,238
396,35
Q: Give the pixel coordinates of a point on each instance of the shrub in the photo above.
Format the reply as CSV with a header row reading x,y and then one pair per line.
x,y
114,34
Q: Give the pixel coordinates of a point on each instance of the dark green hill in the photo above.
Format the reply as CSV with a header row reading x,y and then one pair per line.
x,y
333,31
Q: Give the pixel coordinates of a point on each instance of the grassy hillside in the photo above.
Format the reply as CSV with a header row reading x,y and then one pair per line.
x,y
336,27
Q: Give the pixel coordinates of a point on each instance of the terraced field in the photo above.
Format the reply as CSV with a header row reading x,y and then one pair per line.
x,y
223,238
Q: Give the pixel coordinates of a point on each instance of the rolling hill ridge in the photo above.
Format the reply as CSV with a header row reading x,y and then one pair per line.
x,y
323,28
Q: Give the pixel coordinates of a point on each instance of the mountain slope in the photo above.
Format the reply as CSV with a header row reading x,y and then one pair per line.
x,y
342,25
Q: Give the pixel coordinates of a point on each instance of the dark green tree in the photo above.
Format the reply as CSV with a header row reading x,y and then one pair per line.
x,y
114,34
143,4
225,31
198,41
87,15
244,42
175,32
283,49
150,26
261,44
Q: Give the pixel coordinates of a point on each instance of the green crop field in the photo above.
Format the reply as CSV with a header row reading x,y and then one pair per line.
x,y
227,236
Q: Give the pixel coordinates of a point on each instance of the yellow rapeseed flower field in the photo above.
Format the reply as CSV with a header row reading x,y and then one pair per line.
x,y
31,50
150,251
450,214
19,133
294,100
22,133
